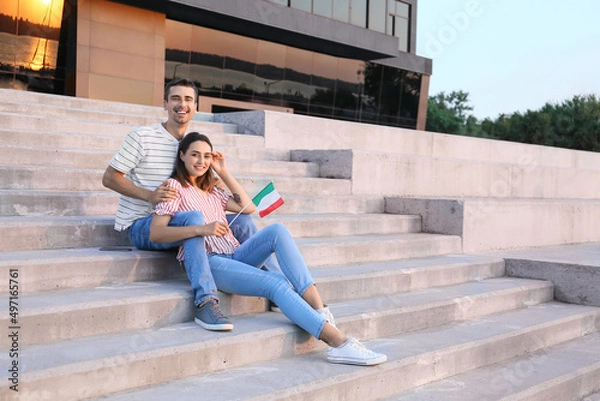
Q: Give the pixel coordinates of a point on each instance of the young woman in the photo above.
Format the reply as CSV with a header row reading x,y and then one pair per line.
x,y
234,266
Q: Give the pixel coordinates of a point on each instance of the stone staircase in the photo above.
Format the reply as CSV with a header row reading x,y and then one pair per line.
x,y
117,324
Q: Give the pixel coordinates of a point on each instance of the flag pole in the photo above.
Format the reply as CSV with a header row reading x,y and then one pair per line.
x,y
237,215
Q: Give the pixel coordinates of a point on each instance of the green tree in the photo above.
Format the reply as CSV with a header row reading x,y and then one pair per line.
x,y
573,124
447,113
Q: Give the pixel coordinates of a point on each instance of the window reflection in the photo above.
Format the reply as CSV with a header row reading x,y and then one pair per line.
x,y
391,17
239,66
280,2
348,89
323,8
177,56
233,67
270,68
296,86
324,85
341,10
304,5
207,61
377,15
358,13
399,23
29,45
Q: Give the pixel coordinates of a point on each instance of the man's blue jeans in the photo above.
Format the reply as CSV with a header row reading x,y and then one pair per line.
x,y
240,273
201,279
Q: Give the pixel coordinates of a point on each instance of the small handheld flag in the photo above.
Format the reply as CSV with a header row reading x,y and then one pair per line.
x,y
267,200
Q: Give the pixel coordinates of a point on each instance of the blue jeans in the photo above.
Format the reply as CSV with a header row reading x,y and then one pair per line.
x,y
240,273
243,228
201,279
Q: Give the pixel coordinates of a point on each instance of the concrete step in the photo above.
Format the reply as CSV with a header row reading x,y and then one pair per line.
x,y
26,97
574,269
460,178
563,372
101,140
295,131
58,140
317,252
81,126
79,103
16,202
265,358
30,147
522,222
74,313
50,270
19,233
59,269
352,281
331,225
77,171
317,187
375,248
53,111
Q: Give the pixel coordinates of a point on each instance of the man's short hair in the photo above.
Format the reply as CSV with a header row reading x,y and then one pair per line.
x,y
181,82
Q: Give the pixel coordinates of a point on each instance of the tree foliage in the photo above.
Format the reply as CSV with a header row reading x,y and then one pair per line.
x,y
573,124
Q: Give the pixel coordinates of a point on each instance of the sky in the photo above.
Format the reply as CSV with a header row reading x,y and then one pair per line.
x,y
511,55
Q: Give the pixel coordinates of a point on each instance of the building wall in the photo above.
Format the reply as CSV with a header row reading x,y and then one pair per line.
x,y
120,53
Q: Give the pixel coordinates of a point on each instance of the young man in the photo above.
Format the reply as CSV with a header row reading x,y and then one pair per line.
x,y
138,172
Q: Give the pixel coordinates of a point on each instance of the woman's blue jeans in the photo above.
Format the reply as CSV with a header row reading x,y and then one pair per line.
x,y
239,274
201,279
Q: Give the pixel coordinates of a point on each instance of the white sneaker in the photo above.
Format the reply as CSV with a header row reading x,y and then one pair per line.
x,y
326,313
352,352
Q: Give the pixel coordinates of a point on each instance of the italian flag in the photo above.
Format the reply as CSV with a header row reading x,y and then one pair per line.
x,y
267,200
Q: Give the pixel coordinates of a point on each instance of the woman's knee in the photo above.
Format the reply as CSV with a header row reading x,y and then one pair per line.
x,y
243,227
191,218
278,229
277,284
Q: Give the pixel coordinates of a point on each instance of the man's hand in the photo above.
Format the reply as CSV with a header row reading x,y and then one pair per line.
x,y
163,194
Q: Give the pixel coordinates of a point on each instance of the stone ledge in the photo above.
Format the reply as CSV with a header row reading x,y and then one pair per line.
x,y
573,283
492,224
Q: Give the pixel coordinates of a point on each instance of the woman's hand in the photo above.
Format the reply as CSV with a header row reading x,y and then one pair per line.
x,y
218,163
216,228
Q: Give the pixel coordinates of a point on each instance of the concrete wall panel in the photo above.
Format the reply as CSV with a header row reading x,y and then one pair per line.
x,y
120,45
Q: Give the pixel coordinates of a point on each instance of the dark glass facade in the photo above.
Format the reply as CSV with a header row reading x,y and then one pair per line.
x,y
37,43
229,66
391,17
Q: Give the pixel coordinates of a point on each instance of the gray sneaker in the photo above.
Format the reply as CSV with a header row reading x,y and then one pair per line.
x,y
210,317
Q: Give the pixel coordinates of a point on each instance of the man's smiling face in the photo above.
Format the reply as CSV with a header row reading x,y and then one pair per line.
x,y
180,104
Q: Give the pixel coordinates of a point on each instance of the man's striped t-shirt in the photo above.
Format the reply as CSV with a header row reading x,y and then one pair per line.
x,y
146,157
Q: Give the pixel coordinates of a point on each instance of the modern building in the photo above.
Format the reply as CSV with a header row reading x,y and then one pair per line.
x,y
346,59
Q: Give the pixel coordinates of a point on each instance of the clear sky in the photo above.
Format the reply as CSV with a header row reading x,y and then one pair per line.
x,y
511,55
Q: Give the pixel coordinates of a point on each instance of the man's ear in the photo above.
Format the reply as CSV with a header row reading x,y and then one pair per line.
x,y
164,104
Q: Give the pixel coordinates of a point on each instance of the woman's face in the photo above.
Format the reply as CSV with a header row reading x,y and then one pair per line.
x,y
197,159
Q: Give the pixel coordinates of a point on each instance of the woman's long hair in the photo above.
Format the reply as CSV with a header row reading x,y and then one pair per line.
x,y
205,182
